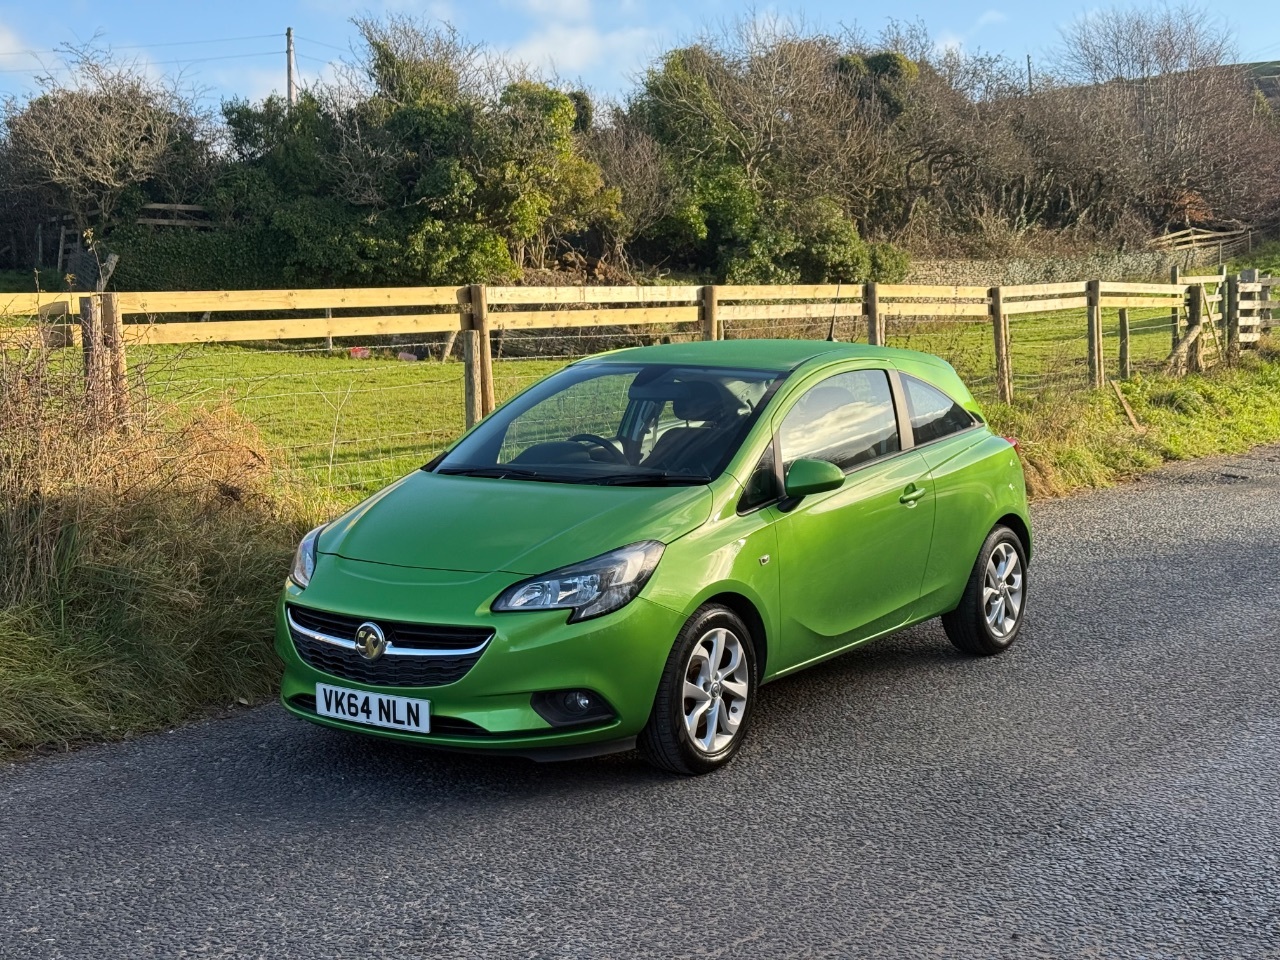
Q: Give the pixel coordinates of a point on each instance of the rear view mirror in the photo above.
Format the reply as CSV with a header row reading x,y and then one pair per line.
x,y
812,476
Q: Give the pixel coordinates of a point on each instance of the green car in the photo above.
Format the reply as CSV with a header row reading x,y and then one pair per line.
x,y
622,554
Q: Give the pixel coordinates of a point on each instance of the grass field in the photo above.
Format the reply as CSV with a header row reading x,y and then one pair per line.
x,y
353,424
24,281
140,567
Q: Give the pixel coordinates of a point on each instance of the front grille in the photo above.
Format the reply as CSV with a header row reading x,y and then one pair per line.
x,y
413,636
389,670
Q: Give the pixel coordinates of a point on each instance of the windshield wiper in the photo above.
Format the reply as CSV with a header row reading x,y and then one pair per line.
x,y
659,479
498,473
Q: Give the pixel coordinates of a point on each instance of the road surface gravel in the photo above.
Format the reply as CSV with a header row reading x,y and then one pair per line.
x,y
1108,788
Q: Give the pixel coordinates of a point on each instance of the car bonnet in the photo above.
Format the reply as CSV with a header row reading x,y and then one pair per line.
x,y
482,525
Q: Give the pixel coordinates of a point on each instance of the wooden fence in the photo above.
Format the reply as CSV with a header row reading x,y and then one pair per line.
x,y
1223,244
1210,319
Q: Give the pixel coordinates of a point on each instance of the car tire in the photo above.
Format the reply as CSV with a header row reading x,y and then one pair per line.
x,y
993,607
697,734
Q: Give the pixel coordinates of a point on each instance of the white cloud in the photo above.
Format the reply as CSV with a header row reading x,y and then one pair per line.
x,y
574,48
11,42
557,10
251,83
950,40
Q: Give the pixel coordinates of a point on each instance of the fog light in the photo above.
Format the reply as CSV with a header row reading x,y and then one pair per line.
x,y
567,708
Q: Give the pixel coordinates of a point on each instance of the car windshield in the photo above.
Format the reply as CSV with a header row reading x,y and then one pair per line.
x,y
617,423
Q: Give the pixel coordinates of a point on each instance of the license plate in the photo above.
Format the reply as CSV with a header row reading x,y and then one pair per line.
x,y
373,709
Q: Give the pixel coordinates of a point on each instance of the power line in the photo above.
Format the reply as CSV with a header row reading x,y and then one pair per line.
x,y
147,46
321,43
165,63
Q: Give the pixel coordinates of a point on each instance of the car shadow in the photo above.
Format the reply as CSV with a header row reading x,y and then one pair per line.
x,y
902,659
312,776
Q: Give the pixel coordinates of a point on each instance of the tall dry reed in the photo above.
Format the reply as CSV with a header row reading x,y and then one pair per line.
x,y
138,567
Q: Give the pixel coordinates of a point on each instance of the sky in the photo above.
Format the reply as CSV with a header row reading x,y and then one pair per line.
x,y
235,48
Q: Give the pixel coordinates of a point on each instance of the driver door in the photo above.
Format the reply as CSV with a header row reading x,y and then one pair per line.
x,y
853,559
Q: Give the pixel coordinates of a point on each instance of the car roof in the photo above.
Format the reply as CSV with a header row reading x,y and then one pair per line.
x,y
776,355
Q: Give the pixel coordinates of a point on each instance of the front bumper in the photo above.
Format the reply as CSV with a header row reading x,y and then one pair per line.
x,y
619,656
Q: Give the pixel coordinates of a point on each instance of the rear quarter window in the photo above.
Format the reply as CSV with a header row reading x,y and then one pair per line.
x,y
933,414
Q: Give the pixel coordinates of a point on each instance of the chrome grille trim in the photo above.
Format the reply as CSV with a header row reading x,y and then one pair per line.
x,y
392,649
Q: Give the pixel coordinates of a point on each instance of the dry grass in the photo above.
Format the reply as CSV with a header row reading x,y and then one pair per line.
x,y
137,568
1079,439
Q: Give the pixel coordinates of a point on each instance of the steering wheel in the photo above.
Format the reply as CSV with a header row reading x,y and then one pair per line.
x,y
615,455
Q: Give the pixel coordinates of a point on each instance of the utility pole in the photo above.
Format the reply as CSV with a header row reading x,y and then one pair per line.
x,y
291,67
1028,71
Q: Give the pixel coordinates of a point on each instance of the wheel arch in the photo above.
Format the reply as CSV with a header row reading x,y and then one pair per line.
x,y
1019,526
746,610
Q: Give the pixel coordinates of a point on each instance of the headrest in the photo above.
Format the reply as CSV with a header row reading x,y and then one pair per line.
x,y
701,401
690,399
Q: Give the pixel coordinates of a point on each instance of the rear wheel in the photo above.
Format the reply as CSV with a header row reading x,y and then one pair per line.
x,y
704,700
990,613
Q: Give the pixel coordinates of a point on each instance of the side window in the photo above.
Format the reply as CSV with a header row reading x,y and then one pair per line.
x,y
934,415
762,488
846,419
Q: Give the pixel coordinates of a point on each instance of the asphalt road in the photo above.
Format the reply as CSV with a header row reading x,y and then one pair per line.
x,y
1108,788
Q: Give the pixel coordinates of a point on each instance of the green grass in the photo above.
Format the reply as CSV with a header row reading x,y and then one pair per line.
x,y
24,281
333,421
1046,350
352,425
138,571
1074,440
1266,258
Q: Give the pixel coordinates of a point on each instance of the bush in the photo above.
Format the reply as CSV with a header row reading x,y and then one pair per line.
x,y
1082,439
227,258
138,570
888,263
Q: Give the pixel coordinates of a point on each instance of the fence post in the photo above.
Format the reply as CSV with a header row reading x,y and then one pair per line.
x,y
1093,293
871,307
113,342
95,367
484,349
1231,316
1126,365
1264,313
1194,319
1000,330
470,360
1175,278
709,312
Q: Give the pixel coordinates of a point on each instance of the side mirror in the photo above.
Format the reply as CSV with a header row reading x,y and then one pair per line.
x,y
812,476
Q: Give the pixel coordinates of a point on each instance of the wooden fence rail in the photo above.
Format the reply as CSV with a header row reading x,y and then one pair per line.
x,y
1232,312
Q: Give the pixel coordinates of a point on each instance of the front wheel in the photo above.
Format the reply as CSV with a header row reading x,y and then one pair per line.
x,y
990,613
705,697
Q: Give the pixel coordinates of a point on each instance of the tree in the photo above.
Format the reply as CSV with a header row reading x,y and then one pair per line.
x,y
1162,84
83,142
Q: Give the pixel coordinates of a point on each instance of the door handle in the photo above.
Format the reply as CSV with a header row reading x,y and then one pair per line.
x,y
911,495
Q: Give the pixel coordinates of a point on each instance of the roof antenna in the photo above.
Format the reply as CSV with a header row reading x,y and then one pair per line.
x,y
831,333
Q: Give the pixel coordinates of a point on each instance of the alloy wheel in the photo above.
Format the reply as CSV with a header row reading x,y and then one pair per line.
x,y
717,683
1002,592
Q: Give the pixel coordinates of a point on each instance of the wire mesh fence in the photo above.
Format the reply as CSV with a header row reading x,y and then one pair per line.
x,y
343,418
350,402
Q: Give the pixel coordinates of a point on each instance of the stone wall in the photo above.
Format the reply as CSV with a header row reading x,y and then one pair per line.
x,y
1144,266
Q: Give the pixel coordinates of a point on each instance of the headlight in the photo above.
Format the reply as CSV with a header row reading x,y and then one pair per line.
x,y
304,561
591,588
